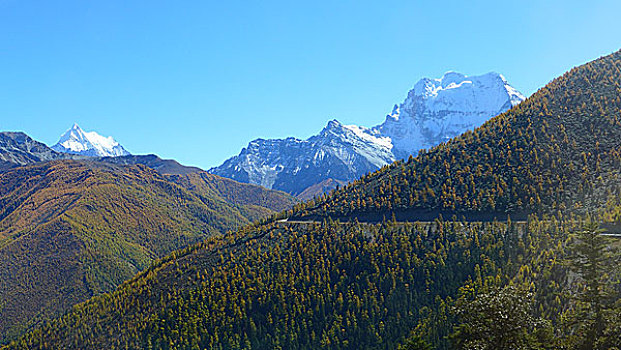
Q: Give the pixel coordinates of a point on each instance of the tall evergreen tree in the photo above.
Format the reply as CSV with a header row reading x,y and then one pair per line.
x,y
595,259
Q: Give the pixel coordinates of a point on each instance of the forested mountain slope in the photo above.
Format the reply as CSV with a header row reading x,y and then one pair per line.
x,y
332,285
254,201
73,229
313,286
558,150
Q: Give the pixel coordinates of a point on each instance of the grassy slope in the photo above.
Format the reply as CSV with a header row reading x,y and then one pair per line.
x,y
257,201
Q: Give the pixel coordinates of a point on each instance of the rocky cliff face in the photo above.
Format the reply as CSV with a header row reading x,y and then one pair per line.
x,y
17,148
291,165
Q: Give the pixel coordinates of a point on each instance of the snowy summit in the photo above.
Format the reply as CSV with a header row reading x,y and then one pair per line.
x,y
434,111
78,141
437,110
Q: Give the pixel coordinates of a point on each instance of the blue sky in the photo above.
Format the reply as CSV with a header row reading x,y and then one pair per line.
x,y
197,80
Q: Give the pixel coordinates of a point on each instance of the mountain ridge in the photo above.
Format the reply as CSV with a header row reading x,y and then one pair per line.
x,y
433,111
17,148
505,165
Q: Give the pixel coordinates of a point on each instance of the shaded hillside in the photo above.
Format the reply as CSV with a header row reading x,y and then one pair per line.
x,y
73,229
258,202
558,150
317,190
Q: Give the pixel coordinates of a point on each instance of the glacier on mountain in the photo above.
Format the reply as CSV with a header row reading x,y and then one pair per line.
x,y
434,111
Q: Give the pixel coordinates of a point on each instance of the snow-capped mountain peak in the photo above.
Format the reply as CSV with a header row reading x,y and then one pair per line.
x,y
434,111
77,141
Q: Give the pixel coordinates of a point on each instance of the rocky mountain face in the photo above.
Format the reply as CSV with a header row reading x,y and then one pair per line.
x,y
78,141
434,111
17,148
339,152
437,110
557,152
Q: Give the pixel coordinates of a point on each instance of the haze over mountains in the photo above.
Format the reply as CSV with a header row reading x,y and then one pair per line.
x,y
434,111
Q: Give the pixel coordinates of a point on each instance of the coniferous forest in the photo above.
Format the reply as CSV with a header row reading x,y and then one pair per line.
x,y
329,285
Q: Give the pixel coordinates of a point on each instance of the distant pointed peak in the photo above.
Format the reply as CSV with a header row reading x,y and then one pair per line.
x,y
501,77
77,141
335,126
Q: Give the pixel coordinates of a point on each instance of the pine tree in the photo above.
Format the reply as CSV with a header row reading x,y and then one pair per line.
x,y
595,260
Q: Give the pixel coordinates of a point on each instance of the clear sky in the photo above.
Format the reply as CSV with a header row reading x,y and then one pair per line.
x,y
197,80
